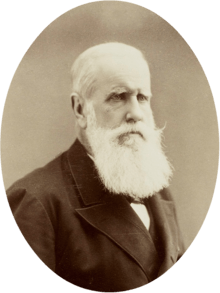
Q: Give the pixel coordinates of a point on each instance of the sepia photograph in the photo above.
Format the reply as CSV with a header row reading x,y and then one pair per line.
x,y
110,146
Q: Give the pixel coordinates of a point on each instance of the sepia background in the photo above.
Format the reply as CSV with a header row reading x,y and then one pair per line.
x,y
38,122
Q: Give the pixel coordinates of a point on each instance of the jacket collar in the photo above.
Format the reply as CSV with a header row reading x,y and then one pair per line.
x,y
86,177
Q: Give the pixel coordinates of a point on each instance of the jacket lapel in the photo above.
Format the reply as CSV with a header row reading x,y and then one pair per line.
x,y
117,220
163,212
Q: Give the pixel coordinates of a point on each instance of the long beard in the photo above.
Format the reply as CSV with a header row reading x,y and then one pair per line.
x,y
129,159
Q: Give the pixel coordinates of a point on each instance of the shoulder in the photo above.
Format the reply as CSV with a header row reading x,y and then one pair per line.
x,y
44,184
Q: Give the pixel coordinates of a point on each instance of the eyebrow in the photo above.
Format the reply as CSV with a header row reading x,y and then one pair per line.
x,y
119,90
124,89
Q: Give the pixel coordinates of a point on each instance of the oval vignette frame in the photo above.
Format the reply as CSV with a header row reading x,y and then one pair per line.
x,y
176,74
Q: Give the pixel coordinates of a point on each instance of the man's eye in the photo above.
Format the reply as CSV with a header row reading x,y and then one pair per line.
x,y
142,98
117,97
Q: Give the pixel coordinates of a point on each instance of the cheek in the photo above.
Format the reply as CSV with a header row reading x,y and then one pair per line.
x,y
113,117
105,118
148,116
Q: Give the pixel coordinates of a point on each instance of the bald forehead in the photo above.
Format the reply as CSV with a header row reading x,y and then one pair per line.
x,y
122,74
111,66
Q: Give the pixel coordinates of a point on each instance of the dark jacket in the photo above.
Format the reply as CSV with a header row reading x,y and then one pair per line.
x,y
88,236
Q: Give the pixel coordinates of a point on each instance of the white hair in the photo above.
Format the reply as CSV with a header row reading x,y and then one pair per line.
x,y
84,68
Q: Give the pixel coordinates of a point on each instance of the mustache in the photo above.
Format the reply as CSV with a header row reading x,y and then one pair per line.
x,y
125,135
139,128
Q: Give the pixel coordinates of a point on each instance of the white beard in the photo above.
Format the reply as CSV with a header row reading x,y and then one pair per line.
x,y
129,164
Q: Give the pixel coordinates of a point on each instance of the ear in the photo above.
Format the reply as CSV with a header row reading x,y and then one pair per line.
x,y
78,105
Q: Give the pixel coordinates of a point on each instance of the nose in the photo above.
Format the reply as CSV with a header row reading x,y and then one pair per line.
x,y
134,113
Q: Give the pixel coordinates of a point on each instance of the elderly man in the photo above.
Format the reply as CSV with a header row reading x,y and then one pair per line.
x,y
100,215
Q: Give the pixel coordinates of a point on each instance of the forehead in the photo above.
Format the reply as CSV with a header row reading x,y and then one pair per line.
x,y
122,72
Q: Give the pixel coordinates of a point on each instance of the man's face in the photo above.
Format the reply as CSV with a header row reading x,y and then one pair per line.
x,y
122,92
123,139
